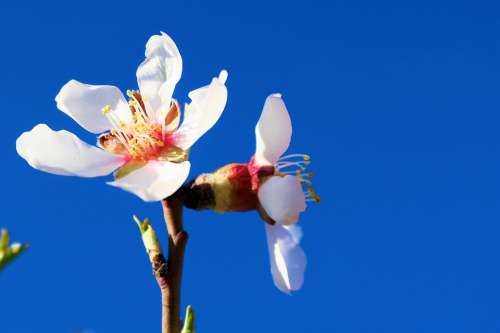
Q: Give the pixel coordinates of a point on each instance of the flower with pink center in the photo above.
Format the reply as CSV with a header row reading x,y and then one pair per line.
x,y
141,139
276,186
281,195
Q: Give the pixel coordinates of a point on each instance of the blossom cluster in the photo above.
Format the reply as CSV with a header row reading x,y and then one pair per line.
x,y
142,141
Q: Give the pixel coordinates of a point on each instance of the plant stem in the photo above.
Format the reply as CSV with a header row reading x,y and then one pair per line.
x,y
170,279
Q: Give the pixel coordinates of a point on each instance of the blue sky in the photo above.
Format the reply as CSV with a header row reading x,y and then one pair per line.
x,y
396,101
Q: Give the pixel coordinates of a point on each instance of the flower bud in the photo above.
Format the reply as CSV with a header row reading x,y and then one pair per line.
x,y
9,251
228,189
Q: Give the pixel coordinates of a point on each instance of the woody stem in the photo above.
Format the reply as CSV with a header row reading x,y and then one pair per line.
x,y
170,280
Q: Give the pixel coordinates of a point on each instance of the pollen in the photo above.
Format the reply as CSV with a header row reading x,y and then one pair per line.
x,y
107,109
143,137
312,196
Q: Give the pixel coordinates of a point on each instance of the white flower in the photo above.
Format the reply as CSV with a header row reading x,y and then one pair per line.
x,y
143,139
280,194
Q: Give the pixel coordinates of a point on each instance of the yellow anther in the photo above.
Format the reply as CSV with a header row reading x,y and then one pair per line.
x,y
310,175
298,171
307,157
307,162
317,199
130,93
308,182
107,109
158,142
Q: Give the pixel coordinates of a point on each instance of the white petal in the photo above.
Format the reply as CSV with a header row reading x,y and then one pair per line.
x,y
155,181
273,131
282,198
63,153
203,112
288,260
84,103
158,74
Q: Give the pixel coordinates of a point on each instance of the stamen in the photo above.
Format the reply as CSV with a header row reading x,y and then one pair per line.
x,y
143,137
116,124
119,137
295,172
285,164
295,168
305,157
107,109
138,106
308,175
305,181
300,166
312,196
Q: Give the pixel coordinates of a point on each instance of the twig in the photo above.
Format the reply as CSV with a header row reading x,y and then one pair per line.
x,y
168,273
171,290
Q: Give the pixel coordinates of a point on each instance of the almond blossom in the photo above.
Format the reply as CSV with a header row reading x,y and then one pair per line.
x,y
276,186
280,193
141,139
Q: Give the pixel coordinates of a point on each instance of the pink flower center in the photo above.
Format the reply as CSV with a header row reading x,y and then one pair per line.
x,y
143,137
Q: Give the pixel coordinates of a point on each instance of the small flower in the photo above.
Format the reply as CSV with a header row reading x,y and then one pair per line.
x,y
141,139
277,186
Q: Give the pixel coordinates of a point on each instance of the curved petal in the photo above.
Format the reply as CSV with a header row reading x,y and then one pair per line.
x,y
282,198
62,153
172,118
207,104
158,74
273,131
84,103
155,181
288,260
110,143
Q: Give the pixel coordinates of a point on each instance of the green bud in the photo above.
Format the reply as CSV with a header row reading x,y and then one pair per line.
x,y
4,239
189,321
148,236
9,252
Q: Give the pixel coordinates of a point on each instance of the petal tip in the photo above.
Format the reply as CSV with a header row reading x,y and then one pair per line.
x,y
223,76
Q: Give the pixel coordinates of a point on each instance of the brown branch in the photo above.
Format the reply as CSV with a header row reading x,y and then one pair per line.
x,y
168,272
170,278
